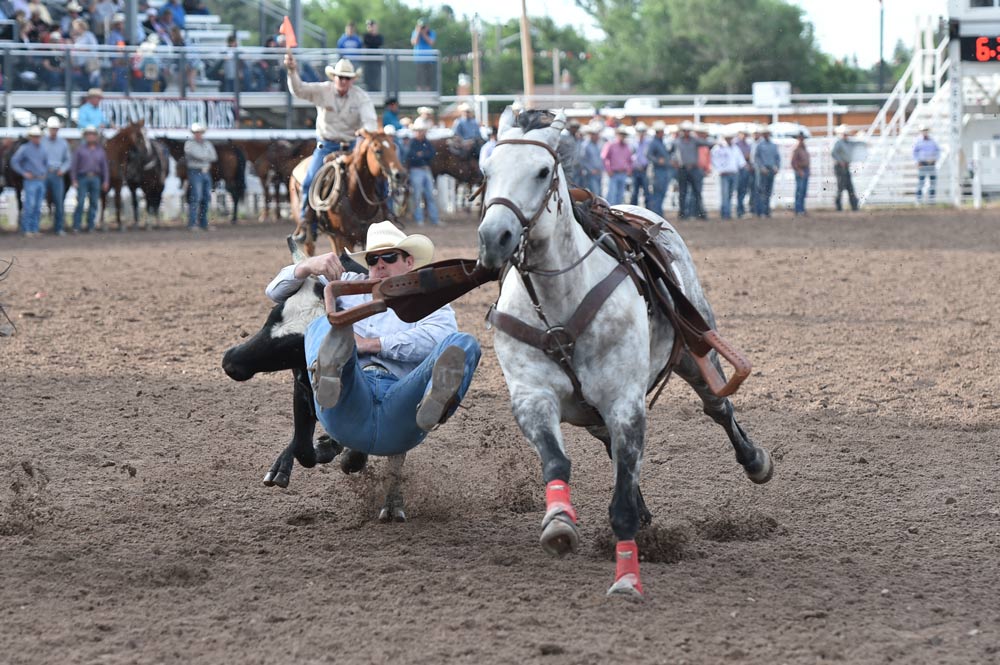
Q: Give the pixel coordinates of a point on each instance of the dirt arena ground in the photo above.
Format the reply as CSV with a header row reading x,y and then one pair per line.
x,y
134,527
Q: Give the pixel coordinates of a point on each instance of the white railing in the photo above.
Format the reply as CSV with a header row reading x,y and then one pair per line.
x,y
985,170
897,121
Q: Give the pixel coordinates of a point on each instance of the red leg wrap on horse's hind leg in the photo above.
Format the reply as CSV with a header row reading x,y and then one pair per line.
x,y
627,561
557,499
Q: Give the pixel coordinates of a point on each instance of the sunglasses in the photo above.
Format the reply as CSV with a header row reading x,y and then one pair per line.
x,y
388,257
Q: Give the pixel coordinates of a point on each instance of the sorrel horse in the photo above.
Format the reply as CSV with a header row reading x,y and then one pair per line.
x,y
359,194
596,368
139,162
274,168
456,158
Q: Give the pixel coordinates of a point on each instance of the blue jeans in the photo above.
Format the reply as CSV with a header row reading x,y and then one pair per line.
x,y
593,183
765,185
34,192
926,172
744,184
640,183
376,412
201,192
801,187
616,188
55,184
89,187
661,182
727,187
323,148
422,189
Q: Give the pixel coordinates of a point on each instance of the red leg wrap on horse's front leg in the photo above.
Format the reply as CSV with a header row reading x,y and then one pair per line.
x,y
557,499
627,565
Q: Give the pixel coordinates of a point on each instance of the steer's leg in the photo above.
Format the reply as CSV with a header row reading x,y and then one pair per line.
x,y
538,415
627,427
754,459
392,509
301,447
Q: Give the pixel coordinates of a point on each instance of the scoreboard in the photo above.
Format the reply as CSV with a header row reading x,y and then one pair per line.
x,y
981,48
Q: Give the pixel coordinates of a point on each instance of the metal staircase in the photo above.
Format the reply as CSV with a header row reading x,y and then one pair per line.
x,y
888,174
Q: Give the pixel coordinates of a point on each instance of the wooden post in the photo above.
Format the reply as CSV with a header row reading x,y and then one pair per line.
x,y
476,74
527,57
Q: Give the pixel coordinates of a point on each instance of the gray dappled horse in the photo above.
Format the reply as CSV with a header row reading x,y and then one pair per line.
x,y
528,222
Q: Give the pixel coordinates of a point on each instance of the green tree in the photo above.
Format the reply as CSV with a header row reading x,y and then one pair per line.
x,y
707,46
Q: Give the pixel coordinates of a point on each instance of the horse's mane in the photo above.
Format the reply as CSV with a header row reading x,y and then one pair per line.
x,y
530,119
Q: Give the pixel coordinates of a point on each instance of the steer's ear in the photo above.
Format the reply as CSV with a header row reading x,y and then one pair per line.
x,y
506,122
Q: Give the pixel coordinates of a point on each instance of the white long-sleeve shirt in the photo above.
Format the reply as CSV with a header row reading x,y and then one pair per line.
x,y
727,159
404,345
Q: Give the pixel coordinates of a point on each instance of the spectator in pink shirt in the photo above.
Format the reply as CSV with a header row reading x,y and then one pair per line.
x,y
617,156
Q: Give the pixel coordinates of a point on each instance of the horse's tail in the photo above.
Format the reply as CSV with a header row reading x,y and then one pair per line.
x,y
240,182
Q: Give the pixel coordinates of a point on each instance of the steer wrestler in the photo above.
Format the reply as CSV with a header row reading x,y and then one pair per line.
x,y
382,385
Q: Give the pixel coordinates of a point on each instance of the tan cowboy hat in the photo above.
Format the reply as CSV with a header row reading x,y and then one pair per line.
x,y
74,7
389,130
34,130
95,92
924,128
425,110
687,126
118,17
90,129
385,235
53,122
197,128
420,125
463,107
659,126
840,130
343,69
641,127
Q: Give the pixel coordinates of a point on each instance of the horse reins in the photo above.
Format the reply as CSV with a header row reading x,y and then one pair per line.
x,y
557,342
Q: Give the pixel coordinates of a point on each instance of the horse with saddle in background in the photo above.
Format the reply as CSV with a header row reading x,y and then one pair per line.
x,y
599,306
138,162
349,193
459,159
230,168
274,167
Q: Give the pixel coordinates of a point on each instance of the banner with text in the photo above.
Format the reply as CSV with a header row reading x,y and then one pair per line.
x,y
171,112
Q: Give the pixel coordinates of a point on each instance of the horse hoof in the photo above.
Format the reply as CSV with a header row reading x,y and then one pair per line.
x,y
559,536
627,586
276,479
387,515
764,466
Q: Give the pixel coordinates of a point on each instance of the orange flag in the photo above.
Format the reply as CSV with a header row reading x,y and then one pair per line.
x,y
289,33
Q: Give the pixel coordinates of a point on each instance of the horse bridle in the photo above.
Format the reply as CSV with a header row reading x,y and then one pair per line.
x,y
384,172
526,222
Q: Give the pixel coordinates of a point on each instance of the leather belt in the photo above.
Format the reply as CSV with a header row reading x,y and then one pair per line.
x,y
375,367
927,163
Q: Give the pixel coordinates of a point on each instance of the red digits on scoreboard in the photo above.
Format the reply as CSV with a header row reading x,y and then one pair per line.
x,y
982,49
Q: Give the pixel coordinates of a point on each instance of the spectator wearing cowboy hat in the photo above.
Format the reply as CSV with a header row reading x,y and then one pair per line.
x,y
842,154
90,175
727,160
341,110
57,160
73,12
90,113
617,158
766,162
926,154
466,127
419,155
199,155
31,163
658,156
382,384
640,165
684,157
